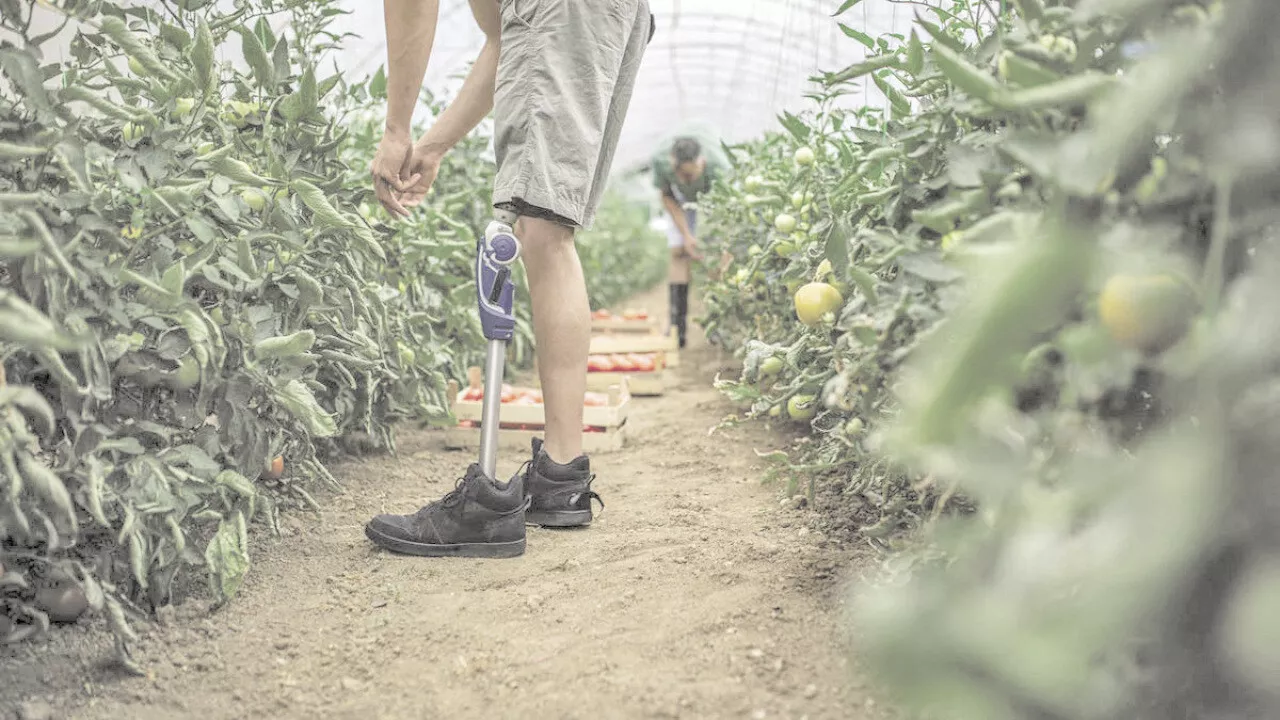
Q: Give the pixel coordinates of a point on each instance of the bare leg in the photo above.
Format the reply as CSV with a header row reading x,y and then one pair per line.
x,y
561,330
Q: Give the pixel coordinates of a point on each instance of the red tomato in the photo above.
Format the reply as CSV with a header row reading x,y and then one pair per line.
x,y
467,423
594,399
643,362
592,429
508,393
601,315
473,394
622,363
599,363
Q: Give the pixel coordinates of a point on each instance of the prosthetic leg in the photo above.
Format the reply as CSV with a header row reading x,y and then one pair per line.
x,y
495,253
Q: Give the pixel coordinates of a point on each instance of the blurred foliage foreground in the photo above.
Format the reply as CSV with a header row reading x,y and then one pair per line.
x,y
1039,287
1124,570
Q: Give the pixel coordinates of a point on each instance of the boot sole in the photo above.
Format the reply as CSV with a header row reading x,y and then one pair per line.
x,y
513,548
558,518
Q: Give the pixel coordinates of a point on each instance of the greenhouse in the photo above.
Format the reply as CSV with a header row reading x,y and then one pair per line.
x,y
867,359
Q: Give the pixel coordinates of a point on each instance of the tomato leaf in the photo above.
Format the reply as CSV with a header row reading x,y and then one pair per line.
x,y
280,58
794,125
860,36
378,84
838,245
256,56
844,7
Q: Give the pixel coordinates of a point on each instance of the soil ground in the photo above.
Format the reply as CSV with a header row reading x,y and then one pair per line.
x,y
696,594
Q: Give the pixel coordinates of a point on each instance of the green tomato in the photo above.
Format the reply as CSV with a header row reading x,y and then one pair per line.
x,y
183,107
1002,65
1064,47
784,223
753,183
132,132
784,248
804,156
754,250
802,408
187,375
254,198
771,366
407,355
216,315
854,427
136,67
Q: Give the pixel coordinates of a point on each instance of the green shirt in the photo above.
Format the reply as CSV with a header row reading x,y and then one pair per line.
x,y
664,174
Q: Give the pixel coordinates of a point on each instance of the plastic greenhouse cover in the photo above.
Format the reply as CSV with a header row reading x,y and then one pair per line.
x,y
722,68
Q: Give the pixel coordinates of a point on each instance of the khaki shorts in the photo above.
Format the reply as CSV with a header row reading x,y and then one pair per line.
x,y
565,76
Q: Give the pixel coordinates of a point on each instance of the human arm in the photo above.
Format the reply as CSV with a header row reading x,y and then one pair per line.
x,y
411,31
472,103
681,221
475,98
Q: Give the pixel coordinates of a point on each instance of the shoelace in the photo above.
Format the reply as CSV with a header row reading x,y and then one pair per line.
x,y
451,498
588,493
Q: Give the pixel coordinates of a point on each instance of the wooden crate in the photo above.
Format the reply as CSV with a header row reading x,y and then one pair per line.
x,y
519,441
519,424
608,343
617,323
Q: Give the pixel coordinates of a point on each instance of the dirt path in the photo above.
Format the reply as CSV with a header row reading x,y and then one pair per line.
x,y
694,595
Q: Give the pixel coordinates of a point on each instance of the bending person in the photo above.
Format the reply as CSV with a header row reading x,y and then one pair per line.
x,y
682,172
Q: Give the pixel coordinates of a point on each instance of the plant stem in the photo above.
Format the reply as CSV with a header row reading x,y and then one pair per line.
x,y
1214,269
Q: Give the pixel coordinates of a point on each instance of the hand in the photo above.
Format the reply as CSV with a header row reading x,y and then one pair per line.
x,y
425,166
392,171
691,247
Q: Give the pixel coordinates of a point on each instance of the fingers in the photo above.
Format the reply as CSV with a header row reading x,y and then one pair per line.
x,y
412,199
387,188
387,197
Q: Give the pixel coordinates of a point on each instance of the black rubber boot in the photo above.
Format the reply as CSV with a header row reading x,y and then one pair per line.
x,y
679,302
559,495
479,518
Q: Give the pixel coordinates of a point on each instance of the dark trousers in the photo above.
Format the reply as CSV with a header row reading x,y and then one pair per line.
x,y
679,302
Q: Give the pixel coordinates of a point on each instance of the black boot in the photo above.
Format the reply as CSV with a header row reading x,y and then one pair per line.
x,y
479,518
680,310
559,495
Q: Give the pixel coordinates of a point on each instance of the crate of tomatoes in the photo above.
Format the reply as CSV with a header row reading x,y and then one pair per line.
x,y
521,415
613,343
629,320
644,372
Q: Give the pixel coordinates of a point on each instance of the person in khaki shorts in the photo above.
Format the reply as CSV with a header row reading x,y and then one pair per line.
x,y
558,75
